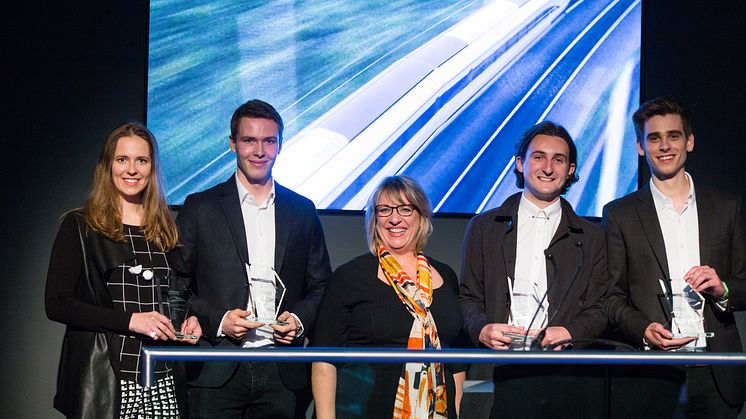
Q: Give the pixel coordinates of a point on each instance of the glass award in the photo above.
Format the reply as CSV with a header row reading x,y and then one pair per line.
x,y
686,315
525,311
266,294
178,294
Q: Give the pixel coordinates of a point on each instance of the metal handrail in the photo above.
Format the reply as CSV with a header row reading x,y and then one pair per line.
x,y
152,354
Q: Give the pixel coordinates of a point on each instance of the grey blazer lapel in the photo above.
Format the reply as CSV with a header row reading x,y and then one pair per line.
x,y
509,244
559,268
649,219
706,212
508,216
283,220
231,205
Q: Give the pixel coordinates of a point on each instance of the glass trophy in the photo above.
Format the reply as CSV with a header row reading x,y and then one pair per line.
x,y
178,294
523,307
266,294
686,315
525,310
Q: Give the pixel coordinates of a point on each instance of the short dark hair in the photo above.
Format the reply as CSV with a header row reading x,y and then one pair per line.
x,y
256,108
660,106
555,130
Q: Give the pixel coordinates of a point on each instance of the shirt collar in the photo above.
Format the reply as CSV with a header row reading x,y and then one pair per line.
x,y
530,209
245,196
662,201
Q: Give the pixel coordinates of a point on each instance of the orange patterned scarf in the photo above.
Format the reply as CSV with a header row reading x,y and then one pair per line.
x,y
422,389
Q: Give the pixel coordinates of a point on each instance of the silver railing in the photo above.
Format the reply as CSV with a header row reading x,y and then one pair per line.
x,y
152,354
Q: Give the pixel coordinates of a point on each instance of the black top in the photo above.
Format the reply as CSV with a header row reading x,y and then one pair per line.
x,y
577,282
66,265
360,310
129,294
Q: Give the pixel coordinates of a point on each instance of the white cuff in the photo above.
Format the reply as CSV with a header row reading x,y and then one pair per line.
x,y
220,327
722,304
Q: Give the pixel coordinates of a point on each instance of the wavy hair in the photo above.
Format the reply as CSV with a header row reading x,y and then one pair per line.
x,y
552,129
103,213
661,106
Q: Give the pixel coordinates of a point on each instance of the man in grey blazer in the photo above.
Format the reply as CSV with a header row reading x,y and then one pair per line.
x,y
533,264
235,237
673,233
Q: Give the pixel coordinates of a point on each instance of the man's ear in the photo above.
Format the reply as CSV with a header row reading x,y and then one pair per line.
x,y
519,164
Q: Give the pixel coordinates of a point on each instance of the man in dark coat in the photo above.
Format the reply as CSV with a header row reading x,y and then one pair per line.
x,y
672,232
532,266
238,237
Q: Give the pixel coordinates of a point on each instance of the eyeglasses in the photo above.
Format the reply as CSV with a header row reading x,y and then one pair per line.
x,y
404,210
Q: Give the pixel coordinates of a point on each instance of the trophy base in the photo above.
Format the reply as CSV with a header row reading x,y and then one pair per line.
x,y
180,336
266,320
519,338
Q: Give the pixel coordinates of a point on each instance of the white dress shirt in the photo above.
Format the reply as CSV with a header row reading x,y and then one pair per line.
x,y
680,231
259,223
536,227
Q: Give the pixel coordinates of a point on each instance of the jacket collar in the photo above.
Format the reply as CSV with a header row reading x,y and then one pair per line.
x,y
648,217
283,221
570,222
507,214
706,209
231,206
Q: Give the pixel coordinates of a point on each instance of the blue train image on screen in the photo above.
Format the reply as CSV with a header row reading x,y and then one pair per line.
x,y
442,99
379,129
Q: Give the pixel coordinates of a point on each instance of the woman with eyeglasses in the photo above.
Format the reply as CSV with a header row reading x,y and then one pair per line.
x,y
113,264
392,297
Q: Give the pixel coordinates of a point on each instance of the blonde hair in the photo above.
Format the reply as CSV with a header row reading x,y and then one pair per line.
x,y
103,213
401,189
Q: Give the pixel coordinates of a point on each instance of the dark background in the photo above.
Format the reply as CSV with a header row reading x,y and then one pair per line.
x,y
77,69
